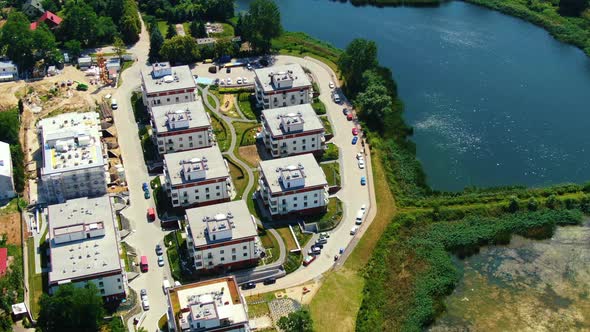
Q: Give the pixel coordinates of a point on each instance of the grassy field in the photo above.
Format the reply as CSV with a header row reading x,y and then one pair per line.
x,y
249,200
223,140
35,279
239,178
246,101
270,244
258,304
331,218
163,27
228,31
301,45
245,132
327,124
287,238
347,284
332,172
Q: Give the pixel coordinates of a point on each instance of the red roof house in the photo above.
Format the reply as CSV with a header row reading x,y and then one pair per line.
x,y
3,260
49,18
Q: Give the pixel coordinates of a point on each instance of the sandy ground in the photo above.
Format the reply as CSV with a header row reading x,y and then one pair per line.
x,y
10,225
298,294
227,106
249,154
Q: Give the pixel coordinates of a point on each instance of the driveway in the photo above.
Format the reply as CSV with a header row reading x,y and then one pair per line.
x,y
145,235
352,194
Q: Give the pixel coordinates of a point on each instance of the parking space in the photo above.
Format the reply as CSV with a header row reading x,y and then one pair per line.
x,y
232,76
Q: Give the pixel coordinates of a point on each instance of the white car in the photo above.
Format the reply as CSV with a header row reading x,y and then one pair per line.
x,y
331,85
245,80
249,66
229,81
145,304
353,230
359,156
239,80
364,208
160,261
361,163
114,104
222,82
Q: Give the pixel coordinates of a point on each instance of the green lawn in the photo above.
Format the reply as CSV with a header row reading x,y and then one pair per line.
x,y
301,45
35,279
12,206
303,238
332,172
251,203
163,27
223,141
288,239
293,262
318,106
258,304
327,125
330,218
228,31
248,105
239,178
331,153
270,244
245,132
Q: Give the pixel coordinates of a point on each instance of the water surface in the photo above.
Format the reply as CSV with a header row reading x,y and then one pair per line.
x,y
494,100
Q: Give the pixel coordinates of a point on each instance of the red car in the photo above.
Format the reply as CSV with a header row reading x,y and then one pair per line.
x,y
355,131
349,116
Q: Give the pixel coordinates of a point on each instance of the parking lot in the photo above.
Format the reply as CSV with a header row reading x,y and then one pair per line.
x,y
236,74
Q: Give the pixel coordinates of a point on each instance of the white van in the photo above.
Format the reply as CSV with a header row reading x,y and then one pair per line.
x,y
114,104
359,217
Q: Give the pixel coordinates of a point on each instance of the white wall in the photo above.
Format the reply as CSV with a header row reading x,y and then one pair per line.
x,y
73,184
223,258
296,201
200,196
183,142
111,285
283,99
296,145
184,97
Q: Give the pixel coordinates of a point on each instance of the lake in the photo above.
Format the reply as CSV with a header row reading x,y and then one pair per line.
x,y
494,100
525,286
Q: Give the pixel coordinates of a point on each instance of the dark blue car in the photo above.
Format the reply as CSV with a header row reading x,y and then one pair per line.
x,y
144,186
354,140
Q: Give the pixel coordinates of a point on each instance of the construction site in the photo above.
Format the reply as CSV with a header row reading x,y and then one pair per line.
x,y
64,91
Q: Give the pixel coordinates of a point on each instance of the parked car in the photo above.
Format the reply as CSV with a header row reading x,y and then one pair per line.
x,y
355,131
159,251
146,194
331,84
143,293
245,80
321,240
324,235
308,260
145,304
228,70
364,208
160,261
222,82
359,217
144,186
248,285
359,156
341,251
269,281
239,80
114,104
345,111
336,98
249,66
354,140
363,181
353,230
336,257
229,81
315,250
349,116
361,163
151,213
319,246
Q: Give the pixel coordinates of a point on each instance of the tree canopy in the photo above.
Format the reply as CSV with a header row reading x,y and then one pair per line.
x,y
260,24
297,321
71,309
360,55
180,50
156,42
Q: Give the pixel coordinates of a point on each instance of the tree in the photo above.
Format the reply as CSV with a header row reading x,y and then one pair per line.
x,y
79,22
116,325
513,205
532,204
197,29
572,7
180,50
18,40
71,309
130,23
261,24
225,46
119,47
171,32
360,55
297,321
552,202
374,104
106,30
156,41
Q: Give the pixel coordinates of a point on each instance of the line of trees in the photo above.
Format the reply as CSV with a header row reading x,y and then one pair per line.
x,y
189,10
9,128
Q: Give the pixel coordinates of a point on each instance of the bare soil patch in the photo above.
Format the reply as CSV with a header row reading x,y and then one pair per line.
x,y
249,154
10,225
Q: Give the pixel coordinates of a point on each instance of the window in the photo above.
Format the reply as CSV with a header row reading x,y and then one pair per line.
x,y
245,254
303,141
102,291
118,279
181,145
206,190
221,251
190,144
315,202
245,247
233,257
305,198
222,259
208,196
304,204
218,194
196,191
168,99
180,139
199,264
217,187
295,198
295,205
210,263
313,139
190,138
315,195
233,249
304,147
177,99
119,287
185,97
313,145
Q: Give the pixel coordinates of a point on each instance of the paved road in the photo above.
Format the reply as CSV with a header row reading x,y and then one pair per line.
x,y
352,194
145,235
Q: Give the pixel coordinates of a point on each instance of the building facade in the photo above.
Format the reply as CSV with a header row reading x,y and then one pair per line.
x,y
292,130
84,246
74,160
197,178
167,85
281,86
8,71
181,127
214,305
6,180
222,237
293,185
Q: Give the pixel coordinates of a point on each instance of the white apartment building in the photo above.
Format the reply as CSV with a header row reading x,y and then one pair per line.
x,y
281,86
197,177
292,130
8,71
214,305
222,237
166,85
84,246
6,181
74,161
294,184
181,127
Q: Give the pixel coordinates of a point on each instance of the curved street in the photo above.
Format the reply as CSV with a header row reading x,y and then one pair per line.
x,y
145,235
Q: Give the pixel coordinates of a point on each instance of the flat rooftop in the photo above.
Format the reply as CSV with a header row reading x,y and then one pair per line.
x,y
292,72
278,119
205,164
180,78
304,166
180,116
207,220
212,299
88,256
71,141
5,160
